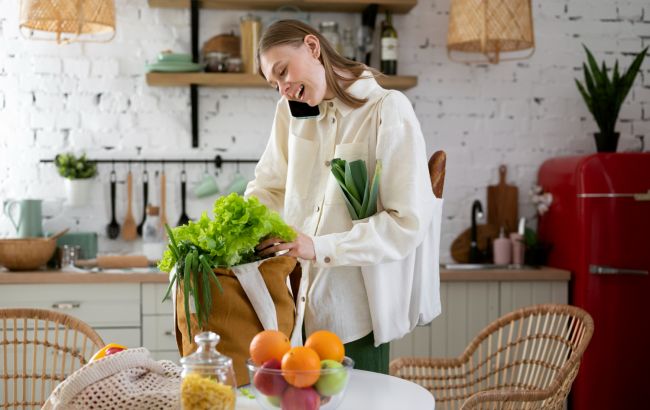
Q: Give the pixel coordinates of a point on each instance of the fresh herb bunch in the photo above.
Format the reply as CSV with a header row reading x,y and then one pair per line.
x,y
604,96
227,240
71,167
359,193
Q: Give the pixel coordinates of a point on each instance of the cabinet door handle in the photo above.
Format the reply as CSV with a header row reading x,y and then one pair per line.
x,y
169,333
607,270
66,305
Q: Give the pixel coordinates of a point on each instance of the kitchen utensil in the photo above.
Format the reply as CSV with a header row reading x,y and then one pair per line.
x,y
163,198
27,253
113,228
28,222
484,234
502,201
184,219
129,228
145,199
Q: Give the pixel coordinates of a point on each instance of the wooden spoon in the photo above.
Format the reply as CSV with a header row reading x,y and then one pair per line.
x,y
129,227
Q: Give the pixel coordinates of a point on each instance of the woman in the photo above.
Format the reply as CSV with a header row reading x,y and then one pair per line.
x,y
356,119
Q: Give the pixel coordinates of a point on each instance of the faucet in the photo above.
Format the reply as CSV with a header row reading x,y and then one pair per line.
x,y
475,255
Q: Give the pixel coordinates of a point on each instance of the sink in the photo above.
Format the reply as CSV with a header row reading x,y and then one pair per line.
x,y
483,266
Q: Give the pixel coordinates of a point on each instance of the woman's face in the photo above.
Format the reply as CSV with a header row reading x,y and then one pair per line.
x,y
296,72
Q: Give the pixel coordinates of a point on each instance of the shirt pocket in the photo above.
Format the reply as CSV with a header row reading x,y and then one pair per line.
x,y
302,154
348,152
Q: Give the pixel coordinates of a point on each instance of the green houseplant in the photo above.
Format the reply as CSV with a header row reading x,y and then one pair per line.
x,y
78,173
604,96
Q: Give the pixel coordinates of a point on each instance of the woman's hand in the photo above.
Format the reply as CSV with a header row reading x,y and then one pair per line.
x,y
302,247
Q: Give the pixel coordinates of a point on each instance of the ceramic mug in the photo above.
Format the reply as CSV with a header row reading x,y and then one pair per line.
x,y
207,186
29,222
238,184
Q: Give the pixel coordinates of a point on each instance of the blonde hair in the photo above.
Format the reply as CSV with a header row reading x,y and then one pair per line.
x,y
293,32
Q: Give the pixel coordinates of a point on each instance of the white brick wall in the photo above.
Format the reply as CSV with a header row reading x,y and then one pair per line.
x,y
93,98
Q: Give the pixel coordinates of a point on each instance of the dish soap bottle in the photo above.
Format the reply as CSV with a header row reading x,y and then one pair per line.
x,y
502,249
208,377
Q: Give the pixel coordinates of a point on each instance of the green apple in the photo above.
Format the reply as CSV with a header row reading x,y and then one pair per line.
x,y
274,400
331,381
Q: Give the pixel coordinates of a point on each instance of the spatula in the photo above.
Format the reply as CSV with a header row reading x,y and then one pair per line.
x,y
129,227
113,228
184,219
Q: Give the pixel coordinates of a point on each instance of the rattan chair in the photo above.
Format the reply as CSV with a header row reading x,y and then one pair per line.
x,y
526,359
38,349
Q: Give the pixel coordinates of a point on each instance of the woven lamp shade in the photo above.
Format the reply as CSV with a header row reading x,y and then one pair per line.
x,y
490,27
68,20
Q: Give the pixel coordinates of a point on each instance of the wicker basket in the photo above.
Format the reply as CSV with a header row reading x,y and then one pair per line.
x,y
27,253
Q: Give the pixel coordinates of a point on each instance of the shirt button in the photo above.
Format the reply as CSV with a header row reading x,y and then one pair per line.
x,y
302,298
327,259
327,163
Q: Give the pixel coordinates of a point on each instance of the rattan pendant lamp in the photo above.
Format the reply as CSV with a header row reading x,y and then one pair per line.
x,y
66,21
490,27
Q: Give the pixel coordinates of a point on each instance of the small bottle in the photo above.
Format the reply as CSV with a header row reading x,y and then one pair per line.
x,y
518,245
153,244
208,376
388,46
330,30
348,50
502,249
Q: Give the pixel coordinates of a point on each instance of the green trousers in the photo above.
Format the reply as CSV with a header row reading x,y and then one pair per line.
x,y
368,357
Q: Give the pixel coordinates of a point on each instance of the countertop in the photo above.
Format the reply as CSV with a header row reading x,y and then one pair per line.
x,y
446,275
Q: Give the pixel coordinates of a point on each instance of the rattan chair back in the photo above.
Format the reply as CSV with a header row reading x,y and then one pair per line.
x,y
39,349
526,359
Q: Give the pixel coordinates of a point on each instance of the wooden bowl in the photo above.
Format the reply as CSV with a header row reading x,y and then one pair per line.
x,y
26,253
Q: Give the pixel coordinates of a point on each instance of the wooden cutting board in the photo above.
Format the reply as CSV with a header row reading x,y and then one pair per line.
x,y
484,235
503,203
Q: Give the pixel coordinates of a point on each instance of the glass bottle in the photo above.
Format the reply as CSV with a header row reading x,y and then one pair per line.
x,y
153,243
388,46
330,30
208,377
348,49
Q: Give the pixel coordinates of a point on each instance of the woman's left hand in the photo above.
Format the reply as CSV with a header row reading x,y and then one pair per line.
x,y
302,247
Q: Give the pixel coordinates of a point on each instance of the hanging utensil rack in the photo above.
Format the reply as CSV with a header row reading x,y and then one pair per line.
x,y
218,161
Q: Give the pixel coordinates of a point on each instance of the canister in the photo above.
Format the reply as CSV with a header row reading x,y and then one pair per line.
x,y
251,29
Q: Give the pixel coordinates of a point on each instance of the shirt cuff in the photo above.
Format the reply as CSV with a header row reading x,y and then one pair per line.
x,y
325,250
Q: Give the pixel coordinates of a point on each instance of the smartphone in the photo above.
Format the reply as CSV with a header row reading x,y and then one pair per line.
x,y
303,110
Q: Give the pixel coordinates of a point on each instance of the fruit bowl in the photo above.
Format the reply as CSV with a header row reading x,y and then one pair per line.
x,y
324,389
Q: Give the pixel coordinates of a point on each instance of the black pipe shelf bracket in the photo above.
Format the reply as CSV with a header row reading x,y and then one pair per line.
x,y
218,161
194,91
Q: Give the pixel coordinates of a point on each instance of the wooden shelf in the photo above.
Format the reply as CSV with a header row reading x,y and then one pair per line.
x,y
396,6
399,82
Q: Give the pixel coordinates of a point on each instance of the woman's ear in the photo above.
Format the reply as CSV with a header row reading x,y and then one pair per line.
x,y
312,43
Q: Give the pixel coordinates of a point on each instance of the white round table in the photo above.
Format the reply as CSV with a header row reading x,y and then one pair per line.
x,y
367,390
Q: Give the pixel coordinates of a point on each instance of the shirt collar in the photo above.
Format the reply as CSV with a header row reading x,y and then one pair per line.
x,y
361,88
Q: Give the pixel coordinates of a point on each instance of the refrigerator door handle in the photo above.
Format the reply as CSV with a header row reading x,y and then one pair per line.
x,y
607,270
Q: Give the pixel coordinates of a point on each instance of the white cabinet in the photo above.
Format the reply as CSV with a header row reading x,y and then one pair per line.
x,y
158,333
469,306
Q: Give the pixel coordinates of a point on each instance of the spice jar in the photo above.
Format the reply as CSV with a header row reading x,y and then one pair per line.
x,y
251,29
208,377
234,65
330,30
215,62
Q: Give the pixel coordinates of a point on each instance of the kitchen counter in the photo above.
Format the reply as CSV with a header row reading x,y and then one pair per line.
x,y
446,275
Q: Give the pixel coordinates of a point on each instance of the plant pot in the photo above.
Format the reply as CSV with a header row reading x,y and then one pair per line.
x,y
606,142
537,255
78,191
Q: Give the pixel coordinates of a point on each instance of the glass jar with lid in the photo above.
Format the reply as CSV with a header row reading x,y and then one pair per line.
x,y
330,30
208,377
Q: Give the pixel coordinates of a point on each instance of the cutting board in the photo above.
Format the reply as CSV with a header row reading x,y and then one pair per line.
x,y
484,236
503,203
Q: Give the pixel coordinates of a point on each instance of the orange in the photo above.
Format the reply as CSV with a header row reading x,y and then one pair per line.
x,y
301,366
327,345
267,345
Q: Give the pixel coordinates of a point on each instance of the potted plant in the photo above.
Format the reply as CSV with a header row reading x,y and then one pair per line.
x,y
78,172
604,96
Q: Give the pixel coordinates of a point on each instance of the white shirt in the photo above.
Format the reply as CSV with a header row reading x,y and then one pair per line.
x,y
293,177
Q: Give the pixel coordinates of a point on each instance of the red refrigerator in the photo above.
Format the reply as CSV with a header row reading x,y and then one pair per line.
x,y
599,227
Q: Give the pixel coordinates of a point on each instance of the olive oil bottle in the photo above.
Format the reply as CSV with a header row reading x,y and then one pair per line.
x,y
388,46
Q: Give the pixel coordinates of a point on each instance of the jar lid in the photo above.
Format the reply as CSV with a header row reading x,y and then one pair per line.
x,y
207,355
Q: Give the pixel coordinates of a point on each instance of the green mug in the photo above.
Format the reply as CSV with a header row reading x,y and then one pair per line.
x,y
29,221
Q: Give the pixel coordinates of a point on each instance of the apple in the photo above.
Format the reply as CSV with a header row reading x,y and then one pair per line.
x,y
112,350
274,400
268,383
295,398
332,381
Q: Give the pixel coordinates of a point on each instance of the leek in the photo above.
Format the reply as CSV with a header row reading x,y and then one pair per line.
x,y
359,193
